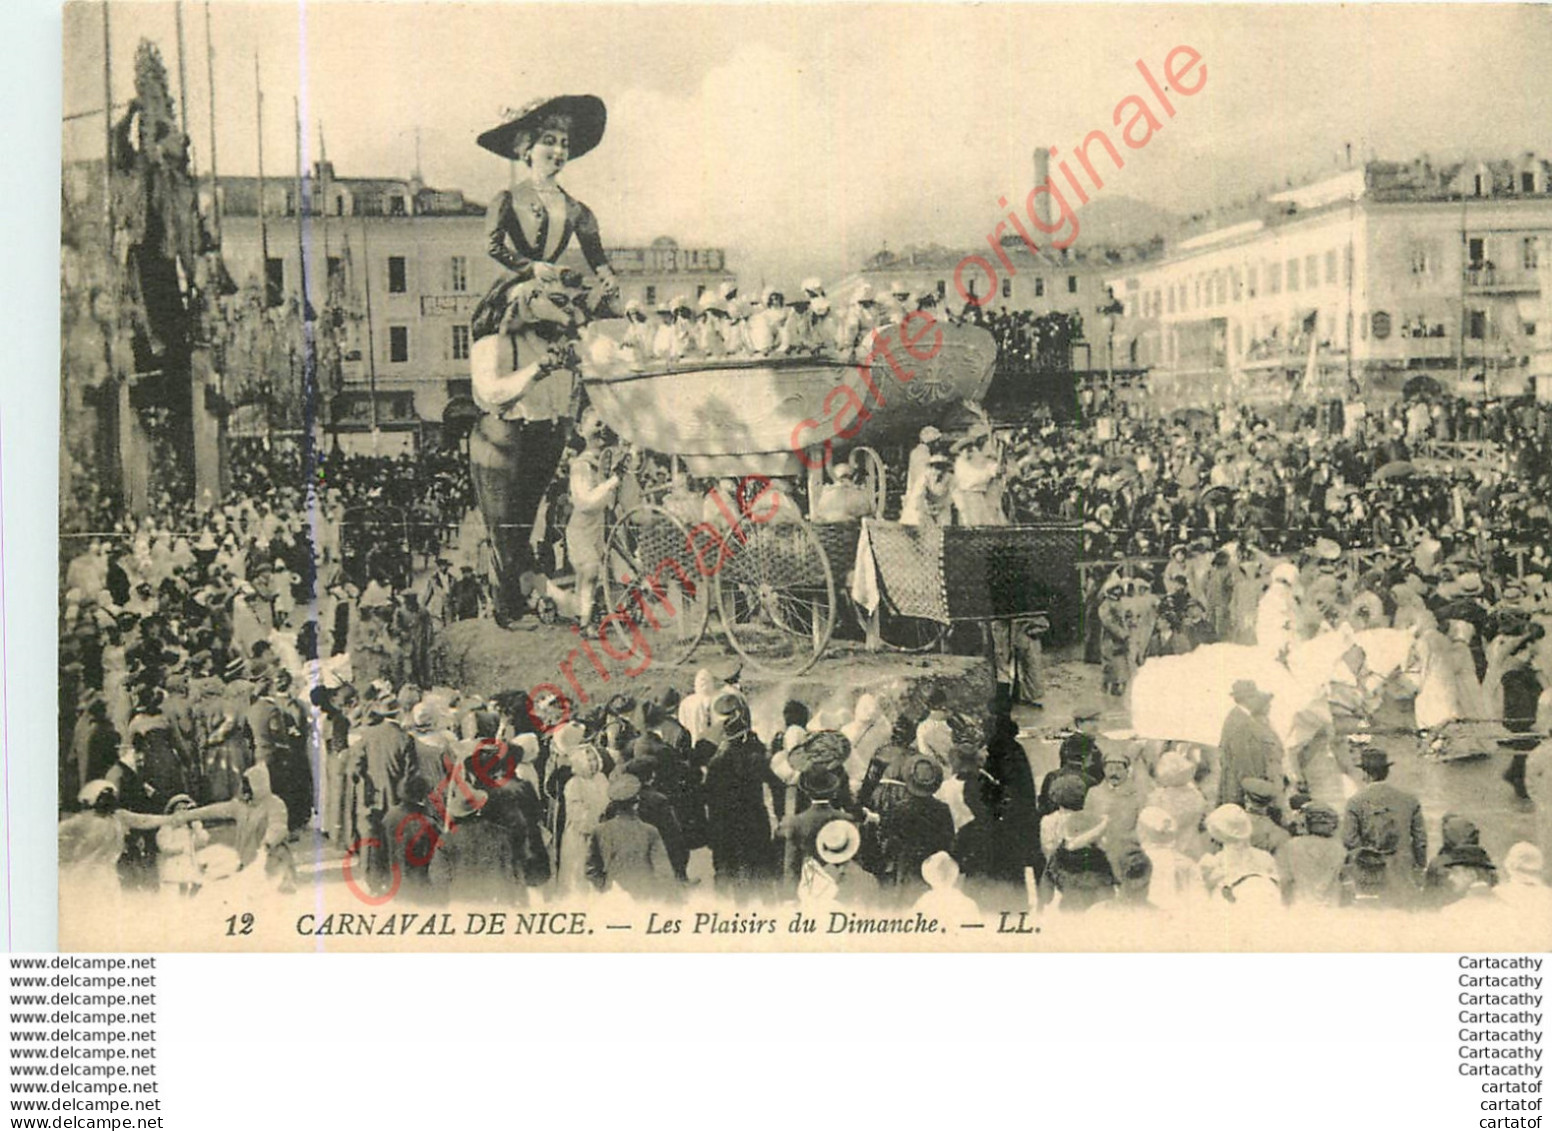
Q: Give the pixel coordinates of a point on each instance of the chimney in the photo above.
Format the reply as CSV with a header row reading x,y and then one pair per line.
x,y
1043,175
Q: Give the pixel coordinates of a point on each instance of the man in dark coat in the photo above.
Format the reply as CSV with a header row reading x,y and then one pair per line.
x,y
383,760
819,785
137,864
656,810
96,743
913,830
1383,830
737,825
1248,747
1015,803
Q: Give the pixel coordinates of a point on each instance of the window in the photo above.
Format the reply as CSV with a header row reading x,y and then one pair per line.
x,y
1251,281
396,282
355,206
1007,288
1172,300
274,281
1475,251
1312,270
459,275
1478,185
1039,286
1274,278
1293,274
398,343
1419,259
339,204
290,205
336,271
1347,265
1530,329
650,298
1527,182
1528,253
1072,284
396,205
942,288
1331,267
460,343
1476,327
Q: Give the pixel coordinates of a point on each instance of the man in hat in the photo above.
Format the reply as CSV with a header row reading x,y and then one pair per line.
x,y
1119,800
384,759
1078,756
466,596
95,743
625,851
820,784
1115,637
1248,747
1383,831
654,806
738,829
914,829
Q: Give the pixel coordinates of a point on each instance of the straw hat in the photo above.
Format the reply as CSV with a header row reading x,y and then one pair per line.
x,y
837,842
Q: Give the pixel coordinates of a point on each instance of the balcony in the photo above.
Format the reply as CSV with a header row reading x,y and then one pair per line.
x,y
1488,278
455,305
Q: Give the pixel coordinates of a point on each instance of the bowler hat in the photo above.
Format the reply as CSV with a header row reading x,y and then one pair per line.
x,y
820,782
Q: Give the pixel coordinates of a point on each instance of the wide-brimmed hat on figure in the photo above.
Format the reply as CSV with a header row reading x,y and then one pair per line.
x,y
586,113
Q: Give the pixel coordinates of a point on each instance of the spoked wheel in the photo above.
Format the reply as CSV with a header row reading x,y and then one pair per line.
x,y
872,465
650,575
776,596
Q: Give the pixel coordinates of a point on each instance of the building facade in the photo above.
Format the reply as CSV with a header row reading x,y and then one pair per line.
x,y
1358,282
1072,281
397,268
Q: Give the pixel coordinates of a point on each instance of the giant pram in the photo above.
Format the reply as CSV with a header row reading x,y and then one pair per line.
x,y
777,582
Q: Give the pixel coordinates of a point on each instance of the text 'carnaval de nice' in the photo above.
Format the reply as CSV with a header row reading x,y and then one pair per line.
x,y
1500,1033
410,924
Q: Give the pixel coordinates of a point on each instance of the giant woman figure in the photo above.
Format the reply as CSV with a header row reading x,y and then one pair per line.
x,y
523,376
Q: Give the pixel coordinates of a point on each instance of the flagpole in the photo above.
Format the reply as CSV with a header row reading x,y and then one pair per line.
x,y
215,178
258,92
183,74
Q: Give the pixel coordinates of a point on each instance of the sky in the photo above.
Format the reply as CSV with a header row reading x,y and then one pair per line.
x,y
805,137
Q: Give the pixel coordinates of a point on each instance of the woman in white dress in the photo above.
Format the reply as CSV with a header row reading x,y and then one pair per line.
x,y
1449,688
